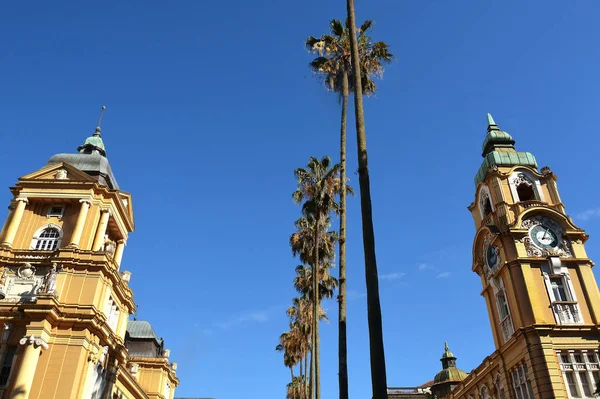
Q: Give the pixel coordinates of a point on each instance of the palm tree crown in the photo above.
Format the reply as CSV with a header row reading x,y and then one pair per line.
x,y
335,56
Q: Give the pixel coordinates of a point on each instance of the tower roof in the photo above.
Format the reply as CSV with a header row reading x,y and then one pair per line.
x,y
93,143
91,158
447,354
449,373
499,149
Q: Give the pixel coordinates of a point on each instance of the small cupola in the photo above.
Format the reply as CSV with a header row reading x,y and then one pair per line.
x,y
93,144
449,376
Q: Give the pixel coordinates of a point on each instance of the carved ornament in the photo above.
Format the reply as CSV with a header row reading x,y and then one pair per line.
x,y
563,249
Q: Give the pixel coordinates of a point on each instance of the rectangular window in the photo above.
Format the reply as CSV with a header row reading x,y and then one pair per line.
x,y
578,358
56,211
502,305
558,289
7,365
572,385
585,384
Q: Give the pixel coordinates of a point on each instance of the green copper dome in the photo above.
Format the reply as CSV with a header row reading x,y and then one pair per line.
x,y
498,149
93,143
449,373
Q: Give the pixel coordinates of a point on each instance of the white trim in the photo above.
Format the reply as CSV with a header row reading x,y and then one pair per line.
x,y
537,187
506,325
572,313
59,215
38,232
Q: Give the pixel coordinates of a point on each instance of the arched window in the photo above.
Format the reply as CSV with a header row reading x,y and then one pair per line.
x,y
485,203
525,187
525,192
47,238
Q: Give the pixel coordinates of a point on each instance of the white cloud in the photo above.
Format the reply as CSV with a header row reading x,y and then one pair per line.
x,y
257,316
422,266
353,295
588,214
443,275
392,276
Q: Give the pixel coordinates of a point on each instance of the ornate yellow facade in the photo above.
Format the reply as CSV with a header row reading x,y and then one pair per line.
x,y
64,300
541,295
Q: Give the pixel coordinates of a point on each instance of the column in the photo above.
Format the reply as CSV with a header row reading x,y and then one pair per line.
x,y
29,359
83,211
99,239
119,251
11,230
11,211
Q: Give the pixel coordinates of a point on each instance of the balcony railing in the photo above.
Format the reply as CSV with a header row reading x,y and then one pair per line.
x,y
566,312
507,328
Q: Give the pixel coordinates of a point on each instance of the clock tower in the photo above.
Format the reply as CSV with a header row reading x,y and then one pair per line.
x,y
542,298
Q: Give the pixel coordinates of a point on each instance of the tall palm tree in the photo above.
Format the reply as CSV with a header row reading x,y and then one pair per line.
x,y
335,66
318,185
377,354
303,244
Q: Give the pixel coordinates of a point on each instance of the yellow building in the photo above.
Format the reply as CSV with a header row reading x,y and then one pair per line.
x,y
64,300
542,298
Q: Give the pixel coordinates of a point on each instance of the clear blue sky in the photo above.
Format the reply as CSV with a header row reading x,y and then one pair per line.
x,y
211,106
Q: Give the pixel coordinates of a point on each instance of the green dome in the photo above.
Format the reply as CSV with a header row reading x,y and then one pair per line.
x,y
94,142
498,149
451,374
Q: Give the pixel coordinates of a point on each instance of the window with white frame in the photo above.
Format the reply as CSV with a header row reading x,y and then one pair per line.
x,y
525,187
499,386
47,240
561,293
506,324
112,314
521,383
580,370
56,211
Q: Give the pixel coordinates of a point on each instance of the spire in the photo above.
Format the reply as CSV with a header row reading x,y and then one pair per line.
x,y
499,149
491,124
448,359
447,354
94,143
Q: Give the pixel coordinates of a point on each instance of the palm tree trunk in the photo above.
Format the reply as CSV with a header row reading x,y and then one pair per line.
x,y
342,344
292,371
378,373
311,383
301,379
315,278
305,375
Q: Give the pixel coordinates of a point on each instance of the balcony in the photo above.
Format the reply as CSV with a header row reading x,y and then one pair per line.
x,y
522,206
566,312
507,328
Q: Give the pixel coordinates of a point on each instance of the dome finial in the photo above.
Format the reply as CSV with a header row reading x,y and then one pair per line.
x,y
491,123
446,342
98,130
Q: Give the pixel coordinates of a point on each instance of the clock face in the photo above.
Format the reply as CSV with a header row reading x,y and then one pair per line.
x,y
543,237
492,256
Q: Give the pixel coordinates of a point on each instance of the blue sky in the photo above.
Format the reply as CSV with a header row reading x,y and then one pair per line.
x,y
211,106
